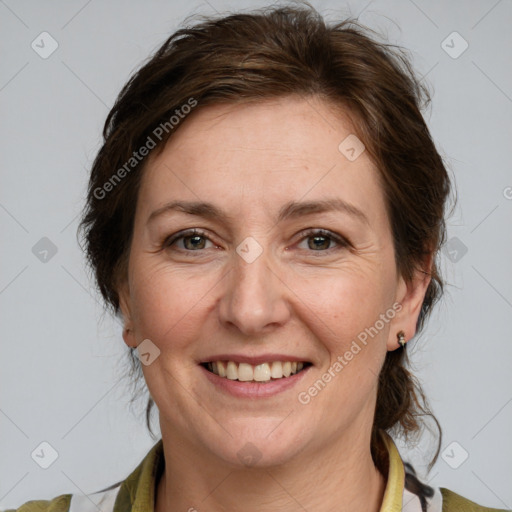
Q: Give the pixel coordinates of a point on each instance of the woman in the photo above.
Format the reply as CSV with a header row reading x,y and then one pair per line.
x,y
265,215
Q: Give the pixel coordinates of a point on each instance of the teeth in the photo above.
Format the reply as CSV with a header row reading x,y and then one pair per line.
x,y
260,373
245,372
277,370
221,369
232,371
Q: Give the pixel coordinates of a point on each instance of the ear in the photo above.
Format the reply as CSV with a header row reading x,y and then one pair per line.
x,y
123,291
409,295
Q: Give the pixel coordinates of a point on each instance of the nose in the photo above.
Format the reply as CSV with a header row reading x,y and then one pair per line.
x,y
255,298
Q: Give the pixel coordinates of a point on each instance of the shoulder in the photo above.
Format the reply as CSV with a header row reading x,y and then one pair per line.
x,y
58,504
133,493
102,501
453,502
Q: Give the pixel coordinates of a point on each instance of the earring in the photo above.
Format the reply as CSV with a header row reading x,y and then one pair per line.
x,y
401,338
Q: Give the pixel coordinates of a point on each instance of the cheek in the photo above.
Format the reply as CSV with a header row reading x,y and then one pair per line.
x,y
344,314
168,302
345,303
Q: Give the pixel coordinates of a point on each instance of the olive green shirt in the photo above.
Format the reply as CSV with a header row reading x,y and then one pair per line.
x,y
137,492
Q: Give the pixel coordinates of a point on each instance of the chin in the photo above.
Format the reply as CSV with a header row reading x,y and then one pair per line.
x,y
259,443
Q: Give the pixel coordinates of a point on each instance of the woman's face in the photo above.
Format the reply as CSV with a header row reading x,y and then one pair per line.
x,y
258,284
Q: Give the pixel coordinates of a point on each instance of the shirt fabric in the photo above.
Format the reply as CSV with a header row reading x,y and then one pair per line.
x,y
137,492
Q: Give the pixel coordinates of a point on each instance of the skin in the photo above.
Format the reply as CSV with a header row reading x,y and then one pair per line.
x,y
249,160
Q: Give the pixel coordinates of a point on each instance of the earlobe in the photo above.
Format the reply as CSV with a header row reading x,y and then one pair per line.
x,y
124,305
410,295
129,337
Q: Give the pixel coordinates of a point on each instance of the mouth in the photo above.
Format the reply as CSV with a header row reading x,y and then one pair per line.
x,y
261,373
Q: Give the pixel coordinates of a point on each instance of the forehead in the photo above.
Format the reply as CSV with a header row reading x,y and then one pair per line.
x,y
265,154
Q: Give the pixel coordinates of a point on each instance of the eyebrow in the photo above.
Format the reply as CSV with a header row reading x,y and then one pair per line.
x,y
290,210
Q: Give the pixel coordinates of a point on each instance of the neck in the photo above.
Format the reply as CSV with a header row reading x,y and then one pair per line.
x,y
342,476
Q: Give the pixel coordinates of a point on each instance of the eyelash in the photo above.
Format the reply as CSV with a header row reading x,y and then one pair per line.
x,y
341,241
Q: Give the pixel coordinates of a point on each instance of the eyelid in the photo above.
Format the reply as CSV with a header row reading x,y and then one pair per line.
x,y
168,241
340,240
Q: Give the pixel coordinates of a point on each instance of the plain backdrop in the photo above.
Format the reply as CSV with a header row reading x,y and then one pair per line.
x,y
62,360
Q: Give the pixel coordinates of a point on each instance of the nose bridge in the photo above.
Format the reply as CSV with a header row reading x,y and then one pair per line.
x,y
254,299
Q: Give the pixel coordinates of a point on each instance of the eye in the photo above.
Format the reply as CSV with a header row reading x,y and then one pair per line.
x,y
320,240
193,240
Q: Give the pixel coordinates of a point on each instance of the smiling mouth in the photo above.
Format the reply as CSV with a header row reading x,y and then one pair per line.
x,y
265,372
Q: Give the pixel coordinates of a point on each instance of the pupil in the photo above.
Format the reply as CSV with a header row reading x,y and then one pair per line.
x,y
194,240
324,242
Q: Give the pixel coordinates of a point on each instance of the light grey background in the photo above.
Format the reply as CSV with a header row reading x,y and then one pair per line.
x,y
61,361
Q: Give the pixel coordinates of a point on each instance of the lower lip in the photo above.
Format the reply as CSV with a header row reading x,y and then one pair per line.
x,y
241,389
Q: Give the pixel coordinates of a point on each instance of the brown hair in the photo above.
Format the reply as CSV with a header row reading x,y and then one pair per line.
x,y
266,54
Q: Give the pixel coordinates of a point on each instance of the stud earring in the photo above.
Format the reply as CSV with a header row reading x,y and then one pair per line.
x,y
401,338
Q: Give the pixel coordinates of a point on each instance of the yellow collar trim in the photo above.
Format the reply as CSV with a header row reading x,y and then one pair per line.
x,y
394,491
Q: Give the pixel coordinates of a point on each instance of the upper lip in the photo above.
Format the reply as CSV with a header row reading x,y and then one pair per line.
x,y
254,360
